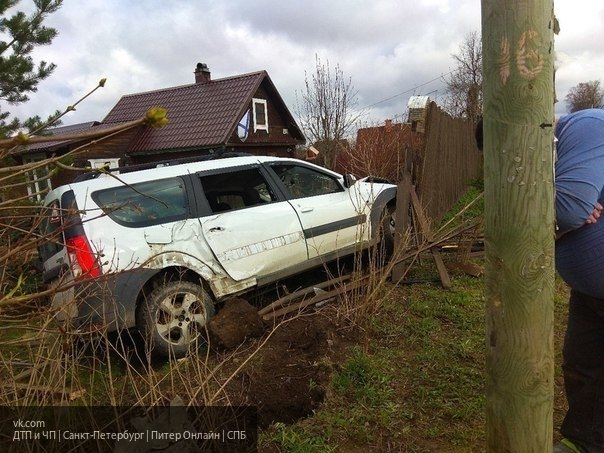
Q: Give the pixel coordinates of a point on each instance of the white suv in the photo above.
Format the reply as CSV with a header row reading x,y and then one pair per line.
x,y
155,249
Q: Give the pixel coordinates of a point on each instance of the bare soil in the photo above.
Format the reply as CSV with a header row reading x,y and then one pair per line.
x,y
287,379
236,322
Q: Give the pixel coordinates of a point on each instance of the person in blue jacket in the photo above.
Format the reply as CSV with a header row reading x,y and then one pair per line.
x,y
579,170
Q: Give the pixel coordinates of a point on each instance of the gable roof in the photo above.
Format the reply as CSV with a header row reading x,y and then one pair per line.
x,y
199,114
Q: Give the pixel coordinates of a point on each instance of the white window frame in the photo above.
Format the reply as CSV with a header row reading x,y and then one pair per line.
x,y
112,162
38,178
258,126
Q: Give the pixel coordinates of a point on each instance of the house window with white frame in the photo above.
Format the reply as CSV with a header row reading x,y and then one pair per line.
x,y
38,178
260,114
107,163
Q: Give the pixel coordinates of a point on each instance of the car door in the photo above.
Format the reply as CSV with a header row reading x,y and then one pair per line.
x,y
333,221
251,231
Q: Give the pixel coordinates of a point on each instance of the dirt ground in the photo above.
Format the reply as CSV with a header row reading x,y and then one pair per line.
x,y
288,376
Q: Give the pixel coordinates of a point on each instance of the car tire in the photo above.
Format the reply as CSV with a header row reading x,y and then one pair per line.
x,y
387,231
173,318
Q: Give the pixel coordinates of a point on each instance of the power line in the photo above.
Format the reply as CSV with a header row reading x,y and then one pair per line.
x,y
408,91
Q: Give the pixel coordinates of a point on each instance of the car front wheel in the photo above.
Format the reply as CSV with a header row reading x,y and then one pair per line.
x,y
174,317
386,234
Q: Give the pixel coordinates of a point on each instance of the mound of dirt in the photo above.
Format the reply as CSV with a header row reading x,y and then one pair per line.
x,y
236,322
287,379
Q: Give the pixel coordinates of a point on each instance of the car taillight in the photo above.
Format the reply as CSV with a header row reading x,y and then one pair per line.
x,y
83,260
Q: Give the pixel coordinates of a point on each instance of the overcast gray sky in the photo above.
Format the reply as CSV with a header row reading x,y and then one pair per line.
x,y
391,49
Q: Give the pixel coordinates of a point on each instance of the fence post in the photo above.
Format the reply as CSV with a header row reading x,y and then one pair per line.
x,y
517,37
401,216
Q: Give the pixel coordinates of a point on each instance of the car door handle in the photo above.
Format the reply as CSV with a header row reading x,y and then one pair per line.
x,y
306,209
214,229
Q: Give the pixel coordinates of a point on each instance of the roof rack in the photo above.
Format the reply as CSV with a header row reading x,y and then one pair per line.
x,y
160,163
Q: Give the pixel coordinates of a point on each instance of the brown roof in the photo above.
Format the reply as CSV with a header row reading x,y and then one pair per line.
x,y
58,131
200,114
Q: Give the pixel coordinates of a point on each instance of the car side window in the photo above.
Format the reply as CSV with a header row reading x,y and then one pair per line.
x,y
146,203
237,189
303,182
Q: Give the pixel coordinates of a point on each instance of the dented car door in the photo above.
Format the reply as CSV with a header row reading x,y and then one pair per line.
x,y
250,230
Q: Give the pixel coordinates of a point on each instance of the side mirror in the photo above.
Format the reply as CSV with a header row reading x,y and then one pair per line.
x,y
349,180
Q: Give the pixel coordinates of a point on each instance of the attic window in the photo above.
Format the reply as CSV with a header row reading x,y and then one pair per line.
x,y
99,164
260,115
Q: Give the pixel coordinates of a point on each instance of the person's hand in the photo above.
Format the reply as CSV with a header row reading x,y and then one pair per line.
x,y
595,215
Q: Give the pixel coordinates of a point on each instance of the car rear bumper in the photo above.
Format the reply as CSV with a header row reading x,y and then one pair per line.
x,y
107,303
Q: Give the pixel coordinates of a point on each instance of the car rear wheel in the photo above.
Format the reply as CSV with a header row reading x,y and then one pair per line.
x,y
173,318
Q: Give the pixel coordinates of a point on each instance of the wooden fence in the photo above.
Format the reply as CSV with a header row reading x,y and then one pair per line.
x,y
443,150
447,163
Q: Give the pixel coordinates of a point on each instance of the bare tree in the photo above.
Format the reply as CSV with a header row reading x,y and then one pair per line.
x,y
585,95
325,110
464,83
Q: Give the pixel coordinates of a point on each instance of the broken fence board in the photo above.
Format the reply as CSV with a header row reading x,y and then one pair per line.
x,y
318,298
401,220
301,293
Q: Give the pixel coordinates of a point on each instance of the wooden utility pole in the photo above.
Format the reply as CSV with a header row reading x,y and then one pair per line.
x,y
518,112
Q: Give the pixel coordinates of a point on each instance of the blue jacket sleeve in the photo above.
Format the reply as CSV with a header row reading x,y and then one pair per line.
x,y
579,167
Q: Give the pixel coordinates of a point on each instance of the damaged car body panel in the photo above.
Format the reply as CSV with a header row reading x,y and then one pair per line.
x,y
120,246
255,241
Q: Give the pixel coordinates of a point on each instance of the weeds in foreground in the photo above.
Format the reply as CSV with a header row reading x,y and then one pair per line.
x,y
49,366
